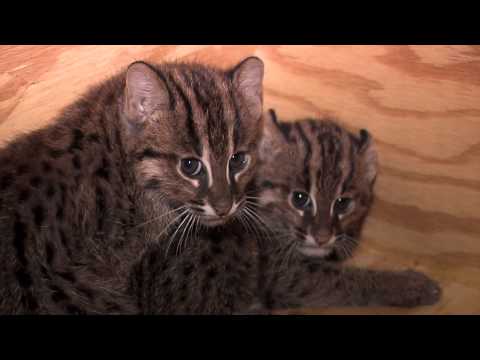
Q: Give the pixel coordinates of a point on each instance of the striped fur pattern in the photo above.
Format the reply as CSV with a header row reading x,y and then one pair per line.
x,y
326,163
82,199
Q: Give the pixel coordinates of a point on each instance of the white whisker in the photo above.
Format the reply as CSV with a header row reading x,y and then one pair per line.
x,y
255,224
191,231
346,243
262,224
158,217
179,243
175,233
194,235
245,224
167,227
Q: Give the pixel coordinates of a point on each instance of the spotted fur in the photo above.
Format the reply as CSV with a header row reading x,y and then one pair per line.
x,y
82,199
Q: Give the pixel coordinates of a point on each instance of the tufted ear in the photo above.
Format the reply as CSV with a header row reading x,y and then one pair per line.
x,y
368,156
247,78
145,93
275,134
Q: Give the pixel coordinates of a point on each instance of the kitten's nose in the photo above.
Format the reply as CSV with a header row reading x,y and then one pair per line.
x,y
322,237
222,208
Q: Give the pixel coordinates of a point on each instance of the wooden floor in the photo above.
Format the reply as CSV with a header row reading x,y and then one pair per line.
x,y
421,104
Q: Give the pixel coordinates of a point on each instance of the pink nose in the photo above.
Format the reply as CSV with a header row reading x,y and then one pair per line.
x,y
222,209
322,238
322,241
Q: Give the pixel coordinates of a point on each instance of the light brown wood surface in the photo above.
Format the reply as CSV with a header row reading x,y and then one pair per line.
x,y
421,104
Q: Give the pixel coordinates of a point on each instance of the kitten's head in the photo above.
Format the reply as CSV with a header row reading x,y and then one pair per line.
x,y
316,182
195,132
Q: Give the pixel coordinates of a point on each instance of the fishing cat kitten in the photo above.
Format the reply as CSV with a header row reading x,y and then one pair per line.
x,y
305,168
82,199
317,201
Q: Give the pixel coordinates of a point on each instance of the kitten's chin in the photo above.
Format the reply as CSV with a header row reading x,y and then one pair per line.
x,y
315,251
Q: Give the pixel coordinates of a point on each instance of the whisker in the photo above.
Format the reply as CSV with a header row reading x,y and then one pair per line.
x,y
172,238
240,219
345,250
193,235
246,223
256,225
194,229
189,231
248,197
347,242
167,227
253,231
260,222
253,203
187,234
353,243
157,218
179,243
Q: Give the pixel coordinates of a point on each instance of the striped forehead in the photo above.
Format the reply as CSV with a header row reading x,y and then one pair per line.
x,y
325,153
206,98
333,150
210,115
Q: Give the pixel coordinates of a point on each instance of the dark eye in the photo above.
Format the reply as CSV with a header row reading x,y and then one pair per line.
x,y
300,200
341,205
238,162
191,167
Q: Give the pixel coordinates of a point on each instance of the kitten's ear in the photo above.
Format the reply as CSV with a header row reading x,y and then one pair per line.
x,y
271,126
145,93
248,79
272,139
368,155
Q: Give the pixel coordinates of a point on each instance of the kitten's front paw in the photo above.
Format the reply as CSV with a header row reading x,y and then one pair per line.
x,y
412,288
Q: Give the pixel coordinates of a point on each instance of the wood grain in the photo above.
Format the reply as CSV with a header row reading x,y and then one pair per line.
x,y
421,104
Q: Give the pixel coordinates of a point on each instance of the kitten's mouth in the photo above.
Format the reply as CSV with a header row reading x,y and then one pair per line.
x,y
315,251
211,221
310,248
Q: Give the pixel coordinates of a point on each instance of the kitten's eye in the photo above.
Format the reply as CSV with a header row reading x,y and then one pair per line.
x,y
342,205
238,162
300,200
191,167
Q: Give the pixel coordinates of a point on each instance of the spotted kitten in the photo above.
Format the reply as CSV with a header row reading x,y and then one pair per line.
x,y
82,200
315,188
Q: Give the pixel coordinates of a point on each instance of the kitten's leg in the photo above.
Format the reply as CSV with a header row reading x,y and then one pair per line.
x,y
310,283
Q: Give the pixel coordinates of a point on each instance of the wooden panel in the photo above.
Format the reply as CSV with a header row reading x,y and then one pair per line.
x,y
421,104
